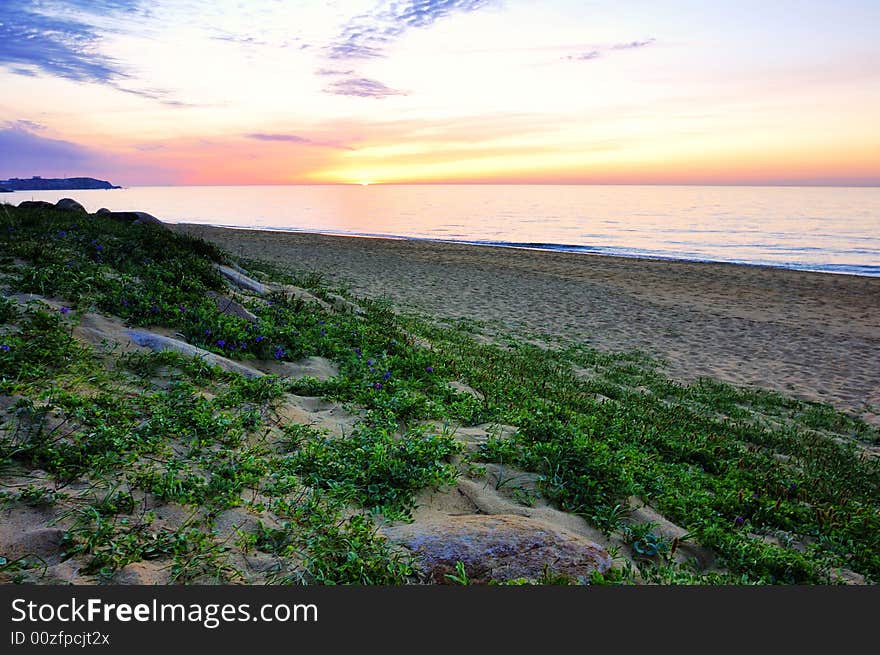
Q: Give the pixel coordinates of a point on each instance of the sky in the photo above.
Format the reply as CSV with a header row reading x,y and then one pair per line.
x,y
187,92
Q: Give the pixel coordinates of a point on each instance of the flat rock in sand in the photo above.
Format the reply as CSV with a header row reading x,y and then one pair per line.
x,y
242,281
499,548
157,342
231,307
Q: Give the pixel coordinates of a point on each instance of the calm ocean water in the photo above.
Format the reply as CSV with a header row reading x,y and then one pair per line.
x,y
812,228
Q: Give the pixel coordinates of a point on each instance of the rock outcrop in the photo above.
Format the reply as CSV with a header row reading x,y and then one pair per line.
x,y
499,548
158,342
69,204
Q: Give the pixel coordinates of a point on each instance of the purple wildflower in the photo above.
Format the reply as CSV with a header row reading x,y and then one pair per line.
x,y
279,352
259,338
182,308
62,233
377,386
357,351
370,362
386,375
5,347
738,521
124,302
221,343
207,332
429,369
323,332
64,310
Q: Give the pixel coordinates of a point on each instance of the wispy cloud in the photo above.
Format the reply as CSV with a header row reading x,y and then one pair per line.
x,y
53,38
366,36
362,87
61,38
632,45
294,138
30,126
333,71
585,56
595,53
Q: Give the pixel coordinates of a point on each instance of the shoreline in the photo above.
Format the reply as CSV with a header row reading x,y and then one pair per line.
x,y
540,247
814,335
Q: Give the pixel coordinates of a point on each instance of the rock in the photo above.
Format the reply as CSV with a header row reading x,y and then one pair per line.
x,y
157,342
343,305
133,218
227,305
499,548
103,211
44,543
296,293
35,204
69,204
242,281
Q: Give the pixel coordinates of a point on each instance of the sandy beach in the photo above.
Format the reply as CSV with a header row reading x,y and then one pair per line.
x,y
812,335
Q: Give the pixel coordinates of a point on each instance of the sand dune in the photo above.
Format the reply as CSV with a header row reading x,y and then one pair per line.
x,y
812,335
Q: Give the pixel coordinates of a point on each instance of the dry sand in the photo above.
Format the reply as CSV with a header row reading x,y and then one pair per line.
x,y
812,335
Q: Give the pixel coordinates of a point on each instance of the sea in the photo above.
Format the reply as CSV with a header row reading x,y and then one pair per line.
x,y
829,229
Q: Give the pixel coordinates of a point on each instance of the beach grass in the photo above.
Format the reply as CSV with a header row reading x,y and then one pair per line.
x,y
102,442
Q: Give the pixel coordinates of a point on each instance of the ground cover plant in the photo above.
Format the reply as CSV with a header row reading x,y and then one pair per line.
x,y
192,472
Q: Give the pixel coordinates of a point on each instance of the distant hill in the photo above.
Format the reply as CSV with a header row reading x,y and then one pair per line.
x,y
53,184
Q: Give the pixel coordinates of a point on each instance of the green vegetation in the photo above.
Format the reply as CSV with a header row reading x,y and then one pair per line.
x,y
782,491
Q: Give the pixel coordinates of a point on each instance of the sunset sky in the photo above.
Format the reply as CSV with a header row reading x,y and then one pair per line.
x,y
559,91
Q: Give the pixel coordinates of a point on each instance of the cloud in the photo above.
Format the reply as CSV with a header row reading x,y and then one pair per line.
x,y
61,38
597,52
30,126
46,37
333,71
366,36
292,138
362,87
632,45
585,56
26,153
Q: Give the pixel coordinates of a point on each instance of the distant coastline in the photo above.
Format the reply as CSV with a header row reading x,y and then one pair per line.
x,y
38,183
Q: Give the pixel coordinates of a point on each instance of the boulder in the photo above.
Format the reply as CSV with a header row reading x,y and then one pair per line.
x,y
69,204
36,204
499,548
133,218
103,211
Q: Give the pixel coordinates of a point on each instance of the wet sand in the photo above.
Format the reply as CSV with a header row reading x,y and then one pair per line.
x,y
812,335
